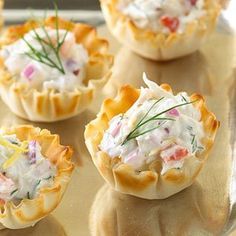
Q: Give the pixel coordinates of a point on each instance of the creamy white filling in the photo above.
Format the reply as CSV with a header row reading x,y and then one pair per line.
x,y
162,15
172,136
39,75
27,174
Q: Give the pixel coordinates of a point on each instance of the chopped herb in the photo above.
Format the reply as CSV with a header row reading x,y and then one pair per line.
x,y
184,99
28,195
190,128
194,144
14,191
49,177
14,142
194,147
193,139
38,183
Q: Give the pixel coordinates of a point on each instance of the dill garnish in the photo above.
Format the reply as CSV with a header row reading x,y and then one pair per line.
x,y
193,139
183,98
194,144
134,133
14,191
190,128
49,177
38,183
42,56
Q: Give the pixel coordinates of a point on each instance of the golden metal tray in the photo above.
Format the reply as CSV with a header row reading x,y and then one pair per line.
x,y
208,207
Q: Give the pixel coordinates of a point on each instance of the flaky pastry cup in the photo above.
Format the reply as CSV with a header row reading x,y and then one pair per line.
x,y
148,184
160,46
49,105
30,211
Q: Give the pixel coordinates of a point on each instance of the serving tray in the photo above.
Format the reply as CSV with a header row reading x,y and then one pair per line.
x,y
208,207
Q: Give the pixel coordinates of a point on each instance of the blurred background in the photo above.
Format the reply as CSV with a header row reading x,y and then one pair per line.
x,y
79,10
18,11
63,4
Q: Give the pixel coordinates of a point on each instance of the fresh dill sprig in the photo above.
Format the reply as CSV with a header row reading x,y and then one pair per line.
x,y
42,55
134,133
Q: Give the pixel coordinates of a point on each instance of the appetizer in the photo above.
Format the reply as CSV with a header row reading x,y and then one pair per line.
x,y
161,30
149,142
34,173
50,69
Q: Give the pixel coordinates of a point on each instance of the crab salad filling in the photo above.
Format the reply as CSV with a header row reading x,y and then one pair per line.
x,y
159,125
166,16
23,169
46,58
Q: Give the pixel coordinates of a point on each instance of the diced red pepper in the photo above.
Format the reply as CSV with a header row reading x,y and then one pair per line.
x,y
2,202
173,112
193,2
76,72
177,151
172,23
179,154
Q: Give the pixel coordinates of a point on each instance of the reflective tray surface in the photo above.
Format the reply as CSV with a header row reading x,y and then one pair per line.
x,y
90,207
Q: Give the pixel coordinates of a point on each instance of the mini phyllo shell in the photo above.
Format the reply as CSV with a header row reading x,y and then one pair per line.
x,y
161,30
150,143
50,69
34,173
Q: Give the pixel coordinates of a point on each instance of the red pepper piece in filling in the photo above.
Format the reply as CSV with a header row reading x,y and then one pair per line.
x,y
76,72
193,2
172,23
174,153
179,154
2,202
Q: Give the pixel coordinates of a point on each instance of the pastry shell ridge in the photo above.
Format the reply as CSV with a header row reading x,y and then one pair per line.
x,y
49,105
30,211
158,46
148,184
